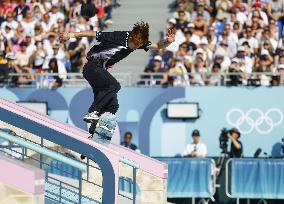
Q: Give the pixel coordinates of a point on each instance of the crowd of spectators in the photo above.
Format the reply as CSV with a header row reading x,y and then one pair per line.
x,y
29,37
239,38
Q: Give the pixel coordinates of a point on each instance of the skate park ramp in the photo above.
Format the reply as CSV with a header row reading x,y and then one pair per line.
x,y
109,174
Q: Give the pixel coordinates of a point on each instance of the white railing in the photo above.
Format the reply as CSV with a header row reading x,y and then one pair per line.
x,y
46,80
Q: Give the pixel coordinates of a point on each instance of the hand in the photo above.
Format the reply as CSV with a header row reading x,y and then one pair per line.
x,y
171,35
64,36
193,154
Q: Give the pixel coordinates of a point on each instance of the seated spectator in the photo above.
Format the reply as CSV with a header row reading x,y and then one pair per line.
x,y
30,43
13,68
4,69
10,22
181,7
28,23
268,40
128,142
60,57
38,11
54,69
221,58
158,65
280,73
200,8
181,22
20,10
46,23
235,72
76,49
245,62
198,73
191,46
38,57
200,25
23,56
195,149
215,77
176,75
223,8
55,14
8,33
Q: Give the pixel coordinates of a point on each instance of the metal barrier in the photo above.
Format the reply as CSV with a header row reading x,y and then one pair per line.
x,y
255,179
202,192
44,80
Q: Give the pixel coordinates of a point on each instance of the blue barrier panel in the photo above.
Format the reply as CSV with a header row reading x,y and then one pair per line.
x,y
189,177
257,178
62,169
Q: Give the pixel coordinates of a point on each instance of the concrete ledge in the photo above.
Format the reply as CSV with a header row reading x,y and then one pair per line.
x,y
10,195
21,176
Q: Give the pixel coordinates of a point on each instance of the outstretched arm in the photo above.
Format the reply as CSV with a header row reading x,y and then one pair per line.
x,y
164,43
87,33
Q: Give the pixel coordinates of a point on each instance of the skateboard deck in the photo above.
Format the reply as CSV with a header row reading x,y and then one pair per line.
x,y
102,130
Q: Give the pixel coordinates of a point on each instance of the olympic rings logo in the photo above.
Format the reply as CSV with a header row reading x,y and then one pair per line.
x,y
254,119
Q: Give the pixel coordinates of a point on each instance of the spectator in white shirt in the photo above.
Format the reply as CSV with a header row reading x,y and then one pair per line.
x,y
246,63
55,14
195,149
46,23
28,23
10,22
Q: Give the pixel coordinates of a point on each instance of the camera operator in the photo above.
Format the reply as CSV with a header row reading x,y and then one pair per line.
x,y
195,149
236,150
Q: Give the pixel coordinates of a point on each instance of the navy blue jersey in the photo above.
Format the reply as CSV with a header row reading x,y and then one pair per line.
x,y
113,47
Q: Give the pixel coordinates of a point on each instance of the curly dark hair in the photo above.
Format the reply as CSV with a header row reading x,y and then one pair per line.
x,y
140,32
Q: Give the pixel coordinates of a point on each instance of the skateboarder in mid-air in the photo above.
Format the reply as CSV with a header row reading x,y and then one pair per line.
x,y
113,47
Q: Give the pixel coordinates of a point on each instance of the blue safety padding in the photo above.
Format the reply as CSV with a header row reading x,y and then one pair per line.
x,y
189,177
257,178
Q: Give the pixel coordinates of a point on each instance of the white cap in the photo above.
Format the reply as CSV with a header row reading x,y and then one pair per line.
x,y
280,66
235,60
264,52
191,25
220,52
241,49
199,50
204,41
10,56
38,38
172,20
158,57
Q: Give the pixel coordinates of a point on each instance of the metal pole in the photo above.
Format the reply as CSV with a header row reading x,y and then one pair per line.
x,y
40,155
134,185
80,186
88,168
60,187
248,201
193,200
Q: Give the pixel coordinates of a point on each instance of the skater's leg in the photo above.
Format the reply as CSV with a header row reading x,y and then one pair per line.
x,y
111,107
103,83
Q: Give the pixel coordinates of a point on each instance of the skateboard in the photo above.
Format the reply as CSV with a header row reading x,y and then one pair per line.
x,y
102,130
